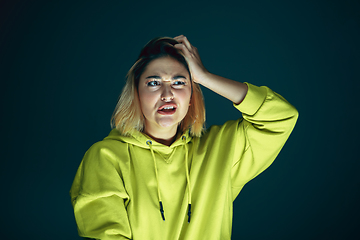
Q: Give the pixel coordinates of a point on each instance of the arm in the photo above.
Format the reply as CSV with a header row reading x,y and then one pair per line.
x,y
230,89
268,120
245,147
99,197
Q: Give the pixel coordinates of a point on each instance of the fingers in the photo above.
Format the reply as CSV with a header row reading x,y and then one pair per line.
x,y
192,57
183,49
182,39
184,45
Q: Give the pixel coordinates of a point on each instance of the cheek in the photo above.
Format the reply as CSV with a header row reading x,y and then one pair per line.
x,y
185,96
147,101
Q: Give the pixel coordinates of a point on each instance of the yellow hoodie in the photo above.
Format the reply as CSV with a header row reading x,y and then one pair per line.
x,y
121,180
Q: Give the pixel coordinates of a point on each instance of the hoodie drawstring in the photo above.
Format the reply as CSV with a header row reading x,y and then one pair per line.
x,y
187,179
149,143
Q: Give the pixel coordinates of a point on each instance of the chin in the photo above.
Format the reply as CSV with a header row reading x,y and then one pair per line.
x,y
168,123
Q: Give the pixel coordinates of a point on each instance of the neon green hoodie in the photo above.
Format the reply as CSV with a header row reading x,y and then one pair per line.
x,y
121,180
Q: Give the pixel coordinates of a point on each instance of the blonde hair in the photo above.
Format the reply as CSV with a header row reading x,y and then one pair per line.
x,y
128,117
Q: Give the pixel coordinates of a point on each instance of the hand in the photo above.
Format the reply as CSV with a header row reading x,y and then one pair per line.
x,y
232,90
192,57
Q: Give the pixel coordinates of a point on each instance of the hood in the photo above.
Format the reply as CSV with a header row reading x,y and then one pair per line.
x,y
142,140
139,139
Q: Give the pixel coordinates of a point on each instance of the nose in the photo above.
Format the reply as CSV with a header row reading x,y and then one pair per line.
x,y
167,95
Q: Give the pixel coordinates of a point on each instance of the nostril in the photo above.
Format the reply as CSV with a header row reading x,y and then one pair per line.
x,y
167,98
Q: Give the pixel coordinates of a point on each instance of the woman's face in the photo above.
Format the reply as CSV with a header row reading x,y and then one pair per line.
x,y
164,93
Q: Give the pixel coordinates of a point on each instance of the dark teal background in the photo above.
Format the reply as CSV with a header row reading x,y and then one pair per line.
x,y
63,64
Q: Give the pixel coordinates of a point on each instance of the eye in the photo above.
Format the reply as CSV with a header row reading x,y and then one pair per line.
x,y
179,83
153,83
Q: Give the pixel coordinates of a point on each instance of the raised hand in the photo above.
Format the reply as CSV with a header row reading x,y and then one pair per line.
x,y
233,90
191,54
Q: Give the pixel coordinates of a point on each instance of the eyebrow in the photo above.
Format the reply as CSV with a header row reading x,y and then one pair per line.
x,y
179,76
158,77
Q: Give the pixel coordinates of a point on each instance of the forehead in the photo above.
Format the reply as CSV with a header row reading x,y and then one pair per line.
x,y
165,66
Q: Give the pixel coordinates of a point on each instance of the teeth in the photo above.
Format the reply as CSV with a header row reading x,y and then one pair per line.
x,y
168,108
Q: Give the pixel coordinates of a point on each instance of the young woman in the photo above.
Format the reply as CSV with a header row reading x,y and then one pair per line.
x,y
159,175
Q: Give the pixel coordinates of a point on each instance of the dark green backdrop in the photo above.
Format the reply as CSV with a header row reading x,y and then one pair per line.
x,y
62,66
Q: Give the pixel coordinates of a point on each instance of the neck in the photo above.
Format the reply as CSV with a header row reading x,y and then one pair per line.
x,y
166,142
166,137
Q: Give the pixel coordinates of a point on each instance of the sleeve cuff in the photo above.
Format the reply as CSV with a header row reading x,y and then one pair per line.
x,y
254,98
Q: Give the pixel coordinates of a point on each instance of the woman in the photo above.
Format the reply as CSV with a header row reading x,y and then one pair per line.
x,y
158,175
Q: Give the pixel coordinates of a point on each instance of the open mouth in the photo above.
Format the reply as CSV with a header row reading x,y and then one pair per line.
x,y
167,109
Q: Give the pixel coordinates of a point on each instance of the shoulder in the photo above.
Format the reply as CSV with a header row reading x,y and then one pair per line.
x,y
108,150
107,144
228,128
227,134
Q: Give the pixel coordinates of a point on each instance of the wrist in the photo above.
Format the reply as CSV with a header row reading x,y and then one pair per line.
x,y
203,78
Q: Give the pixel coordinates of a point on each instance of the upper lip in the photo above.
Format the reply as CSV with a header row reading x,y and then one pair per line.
x,y
167,105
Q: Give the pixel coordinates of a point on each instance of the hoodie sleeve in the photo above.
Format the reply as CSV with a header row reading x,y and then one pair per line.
x,y
99,197
268,120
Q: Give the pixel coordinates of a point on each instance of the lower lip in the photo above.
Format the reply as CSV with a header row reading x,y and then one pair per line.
x,y
167,112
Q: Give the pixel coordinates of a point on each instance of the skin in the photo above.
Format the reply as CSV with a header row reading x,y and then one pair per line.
x,y
164,82
230,89
163,128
